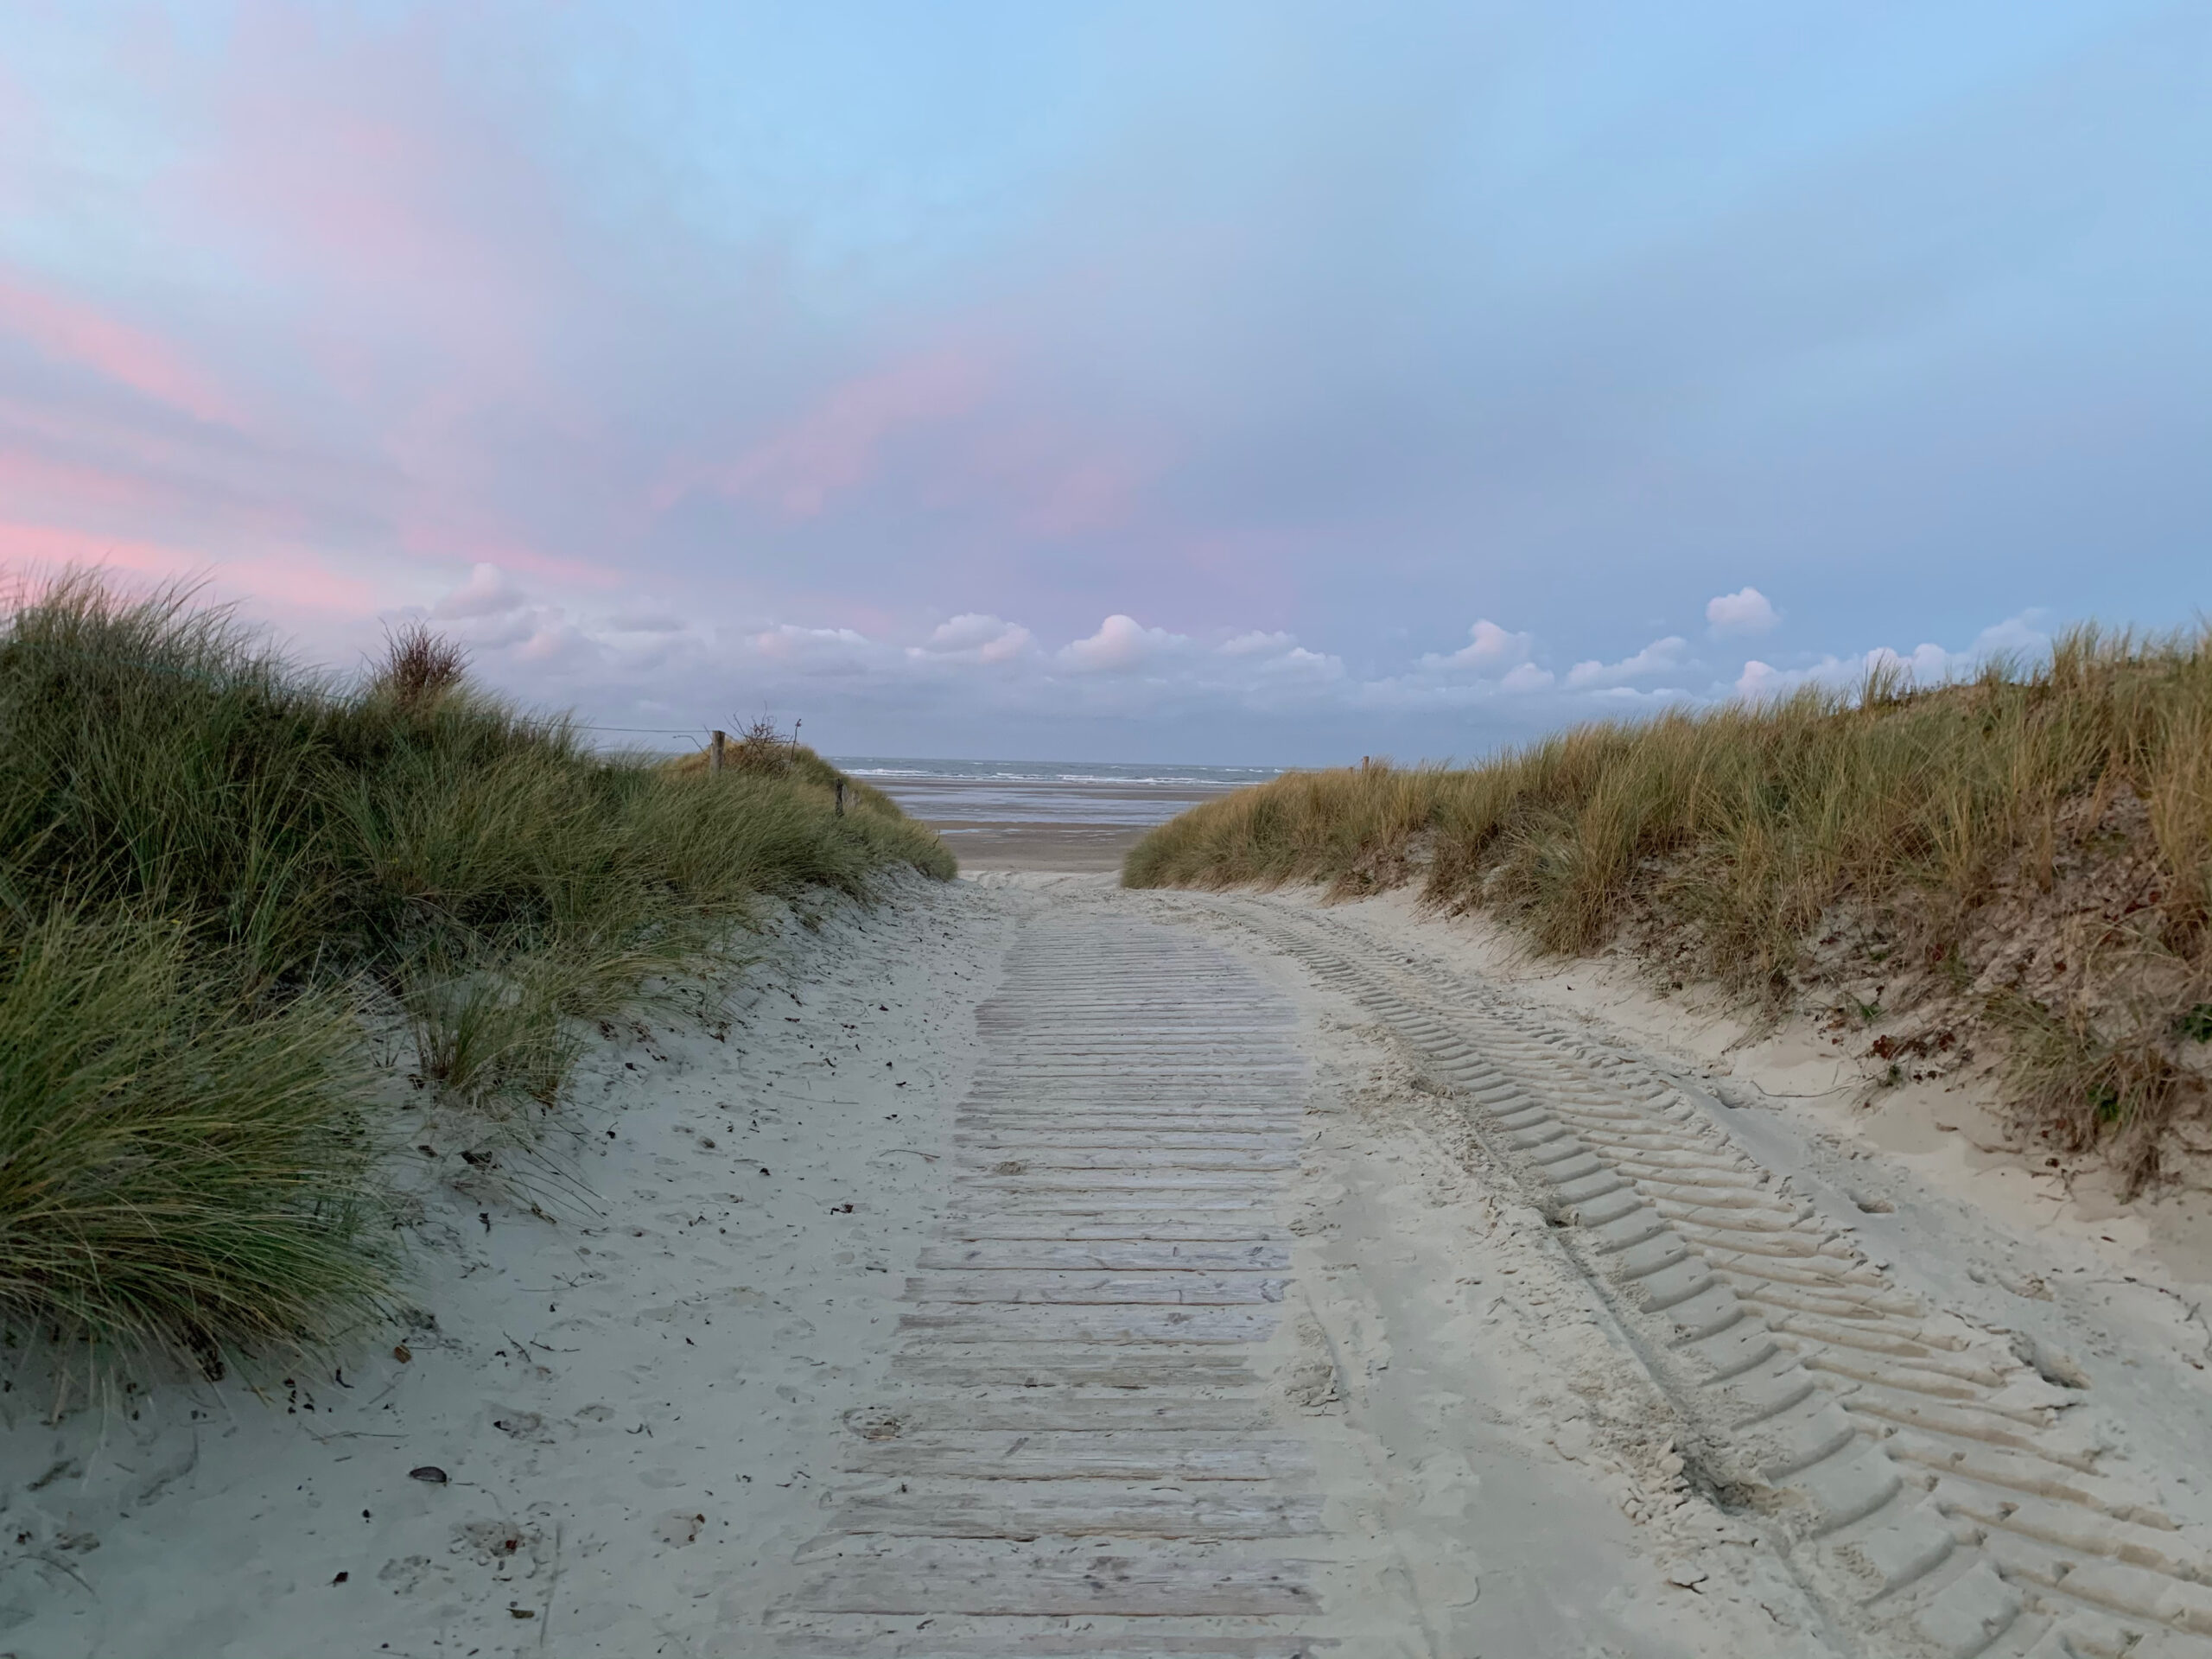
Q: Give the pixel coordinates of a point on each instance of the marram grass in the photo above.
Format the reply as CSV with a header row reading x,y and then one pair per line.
x,y
213,866
1939,828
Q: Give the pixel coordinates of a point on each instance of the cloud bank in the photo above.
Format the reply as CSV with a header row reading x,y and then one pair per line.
x,y
1124,670
1238,380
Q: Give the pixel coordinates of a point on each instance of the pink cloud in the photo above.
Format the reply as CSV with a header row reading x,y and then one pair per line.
x,y
69,331
349,153
833,447
28,552
1094,494
42,482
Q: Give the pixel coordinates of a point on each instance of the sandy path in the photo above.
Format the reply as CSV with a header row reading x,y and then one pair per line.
x,y
1036,1268
1198,1362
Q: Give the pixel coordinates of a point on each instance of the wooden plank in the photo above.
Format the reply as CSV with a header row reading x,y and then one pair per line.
x,y
1078,1126
1106,1324
1159,1071
1051,1366
1011,1175
1143,1256
993,1156
1167,1203
941,1578
1014,1285
1016,1196
856,1635
1228,1105
1272,1115
1169,1228
1078,1454
1084,1131
1215,1510
1052,1408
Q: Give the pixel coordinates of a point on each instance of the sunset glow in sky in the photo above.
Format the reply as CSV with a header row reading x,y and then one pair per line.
x,y
1270,382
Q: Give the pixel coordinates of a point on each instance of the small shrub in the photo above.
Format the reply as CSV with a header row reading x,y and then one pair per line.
x,y
420,666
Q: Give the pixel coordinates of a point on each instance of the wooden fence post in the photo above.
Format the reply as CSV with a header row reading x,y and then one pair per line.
x,y
714,752
840,797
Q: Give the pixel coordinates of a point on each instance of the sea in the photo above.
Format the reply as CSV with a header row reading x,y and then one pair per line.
x,y
1048,791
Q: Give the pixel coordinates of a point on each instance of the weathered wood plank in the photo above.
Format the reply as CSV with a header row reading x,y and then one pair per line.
x,y
1013,1285
945,1579
1004,1364
1135,1257
1076,1125
1215,1104
1012,1175
1215,1510
1051,1409
857,1635
1165,1202
1078,1454
1084,1136
1106,1324
991,1157
1176,1228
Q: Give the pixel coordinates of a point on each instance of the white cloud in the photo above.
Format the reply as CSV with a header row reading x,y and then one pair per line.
x,y
1489,649
606,654
788,641
1746,610
1659,657
553,642
974,634
1301,663
1925,664
1122,643
2016,636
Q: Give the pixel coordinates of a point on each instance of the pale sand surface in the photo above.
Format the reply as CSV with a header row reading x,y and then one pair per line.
x,y
1042,848
798,1299
1088,831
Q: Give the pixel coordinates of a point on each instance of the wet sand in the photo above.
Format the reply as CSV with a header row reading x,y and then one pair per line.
x,y
1063,826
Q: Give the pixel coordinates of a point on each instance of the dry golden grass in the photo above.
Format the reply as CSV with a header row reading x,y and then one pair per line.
x,y
2030,850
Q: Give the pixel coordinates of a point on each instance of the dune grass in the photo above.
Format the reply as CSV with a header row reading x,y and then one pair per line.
x,y
2035,842
215,869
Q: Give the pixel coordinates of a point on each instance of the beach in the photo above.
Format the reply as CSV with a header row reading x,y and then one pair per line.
x,y
1046,817
1035,1265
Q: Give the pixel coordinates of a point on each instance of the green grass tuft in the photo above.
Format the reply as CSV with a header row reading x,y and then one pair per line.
x,y
212,865
176,1173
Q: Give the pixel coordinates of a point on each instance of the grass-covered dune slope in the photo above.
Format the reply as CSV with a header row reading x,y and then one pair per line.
x,y
2027,855
218,875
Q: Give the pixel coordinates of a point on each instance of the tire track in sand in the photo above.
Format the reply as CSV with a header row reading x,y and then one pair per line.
x,y
1919,1476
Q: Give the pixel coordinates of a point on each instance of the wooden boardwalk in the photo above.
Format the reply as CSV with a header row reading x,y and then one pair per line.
x,y
1078,1457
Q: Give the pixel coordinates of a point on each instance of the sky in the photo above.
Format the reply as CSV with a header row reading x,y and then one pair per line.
x,y
1272,382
